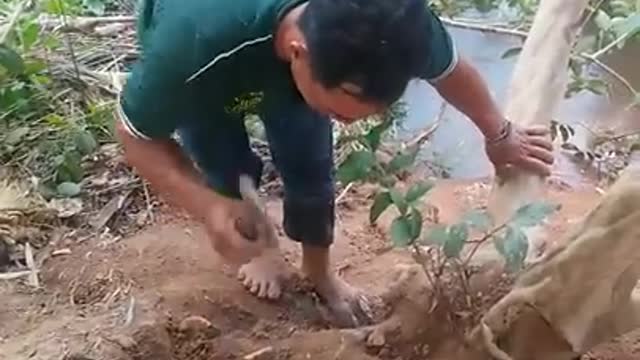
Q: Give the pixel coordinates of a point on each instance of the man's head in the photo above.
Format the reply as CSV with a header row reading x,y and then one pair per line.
x,y
354,58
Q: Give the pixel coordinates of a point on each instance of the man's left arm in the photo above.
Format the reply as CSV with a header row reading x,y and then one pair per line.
x,y
461,85
505,143
466,90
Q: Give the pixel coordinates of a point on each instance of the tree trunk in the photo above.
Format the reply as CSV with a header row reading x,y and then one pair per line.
x,y
537,87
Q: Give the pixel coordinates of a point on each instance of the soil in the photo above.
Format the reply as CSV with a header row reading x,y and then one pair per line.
x,y
163,294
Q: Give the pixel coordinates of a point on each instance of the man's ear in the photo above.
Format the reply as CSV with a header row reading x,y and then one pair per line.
x,y
298,50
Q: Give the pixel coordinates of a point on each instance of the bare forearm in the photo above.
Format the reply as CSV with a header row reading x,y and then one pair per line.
x,y
465,89
162,163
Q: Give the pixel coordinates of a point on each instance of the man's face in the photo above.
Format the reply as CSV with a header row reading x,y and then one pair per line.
x,y
338,103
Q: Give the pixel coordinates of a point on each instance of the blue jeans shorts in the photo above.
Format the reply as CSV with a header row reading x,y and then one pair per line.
x,y
301,145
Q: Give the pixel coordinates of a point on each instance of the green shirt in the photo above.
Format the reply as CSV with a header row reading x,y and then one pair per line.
x,y
198,56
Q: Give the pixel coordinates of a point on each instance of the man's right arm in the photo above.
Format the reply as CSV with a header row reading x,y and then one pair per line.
x,y
167,168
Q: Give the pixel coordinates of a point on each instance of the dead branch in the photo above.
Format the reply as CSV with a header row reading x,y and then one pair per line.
x,y
81,24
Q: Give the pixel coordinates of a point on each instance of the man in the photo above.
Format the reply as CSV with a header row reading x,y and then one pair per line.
x,y
311,61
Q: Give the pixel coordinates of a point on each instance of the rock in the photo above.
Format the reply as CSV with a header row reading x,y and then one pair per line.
x,y
198,325
125,342
376,339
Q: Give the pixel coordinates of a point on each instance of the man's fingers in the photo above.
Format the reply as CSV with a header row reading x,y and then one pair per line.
x,y
540,154
540,142
537,131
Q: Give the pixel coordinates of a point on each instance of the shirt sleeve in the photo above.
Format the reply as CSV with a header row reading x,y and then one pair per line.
x,y
156,90
160,89
442,56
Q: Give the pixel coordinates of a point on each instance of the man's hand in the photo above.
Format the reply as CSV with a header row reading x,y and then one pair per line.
x,y
240,230
225,220
234,231
527,148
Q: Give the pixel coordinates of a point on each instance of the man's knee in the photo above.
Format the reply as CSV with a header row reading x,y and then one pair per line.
x,y
310,220
223,163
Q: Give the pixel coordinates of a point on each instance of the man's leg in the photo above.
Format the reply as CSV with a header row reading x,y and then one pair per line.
x,y
301,144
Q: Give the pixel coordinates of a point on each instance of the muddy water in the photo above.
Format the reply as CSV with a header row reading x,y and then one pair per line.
x,y
457,144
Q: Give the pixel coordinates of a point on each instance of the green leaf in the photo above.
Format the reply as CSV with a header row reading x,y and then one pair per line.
x,y
374,136
398,200
68,189
85,143
630,25
356,166
11,60
458,235
516,247
401,231
511,52
15,136
498,242
533,214
415,221
479,220
417,191
438,235
30,35
69,167
54,7
403,160
602,20
32,67
380,204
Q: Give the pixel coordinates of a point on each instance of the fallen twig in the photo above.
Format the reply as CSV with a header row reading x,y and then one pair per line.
x,y
31,264
107,212
65,251
147,198
15,275
130,312
343,193
81,24
254,355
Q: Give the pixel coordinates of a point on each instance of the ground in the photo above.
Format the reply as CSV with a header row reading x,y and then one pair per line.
x,y
164,294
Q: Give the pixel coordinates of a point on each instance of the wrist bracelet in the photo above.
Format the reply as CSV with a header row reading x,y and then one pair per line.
x,y
504,133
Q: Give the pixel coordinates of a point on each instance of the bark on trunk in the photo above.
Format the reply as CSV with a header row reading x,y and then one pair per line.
x,y
537,87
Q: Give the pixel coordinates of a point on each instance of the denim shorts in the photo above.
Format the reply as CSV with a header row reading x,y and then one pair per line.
x,y
301,145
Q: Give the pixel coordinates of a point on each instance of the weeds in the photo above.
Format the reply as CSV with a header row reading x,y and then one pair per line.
x,y
49,121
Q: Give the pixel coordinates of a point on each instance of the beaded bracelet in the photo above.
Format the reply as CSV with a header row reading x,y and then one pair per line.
x,y
504,133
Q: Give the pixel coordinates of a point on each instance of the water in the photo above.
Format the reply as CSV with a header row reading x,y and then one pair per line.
x,y
459,145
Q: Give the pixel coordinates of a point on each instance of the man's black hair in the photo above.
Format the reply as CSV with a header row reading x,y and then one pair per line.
x,y
378,45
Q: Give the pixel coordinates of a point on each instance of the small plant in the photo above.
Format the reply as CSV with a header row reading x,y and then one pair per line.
x,y
446,242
